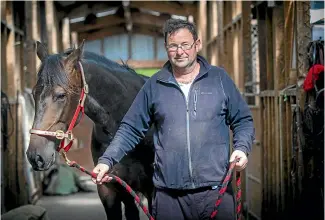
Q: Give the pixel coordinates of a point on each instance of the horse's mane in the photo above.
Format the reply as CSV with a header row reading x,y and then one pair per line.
x,y
113,66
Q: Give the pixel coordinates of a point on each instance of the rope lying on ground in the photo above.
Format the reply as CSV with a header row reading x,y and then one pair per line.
x,y
145,209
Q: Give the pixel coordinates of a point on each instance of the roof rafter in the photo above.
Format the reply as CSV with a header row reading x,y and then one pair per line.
x,y
166,7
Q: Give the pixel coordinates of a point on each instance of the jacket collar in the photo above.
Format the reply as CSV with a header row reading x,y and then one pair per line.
x,y
166,73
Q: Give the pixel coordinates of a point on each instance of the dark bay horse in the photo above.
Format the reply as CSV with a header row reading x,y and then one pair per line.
x,y
112,88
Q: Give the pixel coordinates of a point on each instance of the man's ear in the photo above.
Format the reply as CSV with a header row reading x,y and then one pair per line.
x,y
198,45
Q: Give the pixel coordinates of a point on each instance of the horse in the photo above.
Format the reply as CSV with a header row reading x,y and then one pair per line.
x,y
112,89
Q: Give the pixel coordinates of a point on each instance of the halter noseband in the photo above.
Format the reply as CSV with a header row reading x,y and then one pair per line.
x,y
68,136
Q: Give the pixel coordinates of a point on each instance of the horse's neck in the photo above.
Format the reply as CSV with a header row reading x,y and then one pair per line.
x,y
109,98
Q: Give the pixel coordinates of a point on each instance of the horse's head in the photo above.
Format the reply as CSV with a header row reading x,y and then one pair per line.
x,y
56,96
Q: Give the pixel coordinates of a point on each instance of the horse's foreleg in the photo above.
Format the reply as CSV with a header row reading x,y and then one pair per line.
x,y
131,209
111,201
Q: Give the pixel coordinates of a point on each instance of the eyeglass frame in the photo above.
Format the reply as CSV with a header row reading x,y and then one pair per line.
x,y
179,46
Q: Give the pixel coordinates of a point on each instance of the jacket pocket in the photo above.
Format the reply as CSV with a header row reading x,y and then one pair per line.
x,y
211,166
170,165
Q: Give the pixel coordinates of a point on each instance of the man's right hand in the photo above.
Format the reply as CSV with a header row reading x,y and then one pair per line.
x,y
101,169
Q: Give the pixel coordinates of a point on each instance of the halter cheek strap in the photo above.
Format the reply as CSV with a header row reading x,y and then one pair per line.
x,y
67,137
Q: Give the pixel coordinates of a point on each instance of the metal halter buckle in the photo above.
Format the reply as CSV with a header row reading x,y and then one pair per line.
x,y
59,134
86,89
69,135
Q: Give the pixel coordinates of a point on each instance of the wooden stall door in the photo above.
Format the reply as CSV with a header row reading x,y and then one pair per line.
x,y
253,177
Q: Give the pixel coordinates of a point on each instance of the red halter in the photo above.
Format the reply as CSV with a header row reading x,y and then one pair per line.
x,y
68,136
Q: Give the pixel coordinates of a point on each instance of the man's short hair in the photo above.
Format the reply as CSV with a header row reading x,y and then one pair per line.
x,y
172,25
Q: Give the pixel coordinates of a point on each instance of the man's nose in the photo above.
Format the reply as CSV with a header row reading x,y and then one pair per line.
x,y
179,51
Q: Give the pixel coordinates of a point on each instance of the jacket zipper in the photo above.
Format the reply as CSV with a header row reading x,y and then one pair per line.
x,y
188,126
188,141
195,101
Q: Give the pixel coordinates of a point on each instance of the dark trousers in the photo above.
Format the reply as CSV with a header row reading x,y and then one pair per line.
x,y
192,204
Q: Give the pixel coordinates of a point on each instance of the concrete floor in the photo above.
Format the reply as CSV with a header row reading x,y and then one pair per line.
x,y
79,206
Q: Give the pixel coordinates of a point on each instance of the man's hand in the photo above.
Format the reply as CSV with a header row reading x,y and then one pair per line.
x,y
101,170
241,164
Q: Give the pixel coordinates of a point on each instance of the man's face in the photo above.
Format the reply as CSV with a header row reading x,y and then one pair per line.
x,y
181,48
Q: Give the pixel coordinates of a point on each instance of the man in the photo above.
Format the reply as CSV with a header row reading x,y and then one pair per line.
x,y
192,105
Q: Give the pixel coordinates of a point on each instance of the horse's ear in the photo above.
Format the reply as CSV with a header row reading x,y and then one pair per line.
x,y
74,57
41,51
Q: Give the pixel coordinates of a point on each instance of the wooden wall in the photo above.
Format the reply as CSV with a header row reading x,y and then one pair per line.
x,y
225,28
279,97
21,25
12,78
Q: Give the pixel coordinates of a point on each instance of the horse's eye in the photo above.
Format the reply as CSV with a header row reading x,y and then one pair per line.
x,y
59,96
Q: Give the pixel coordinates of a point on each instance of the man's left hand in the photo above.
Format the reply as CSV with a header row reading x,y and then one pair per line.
x,y
242,163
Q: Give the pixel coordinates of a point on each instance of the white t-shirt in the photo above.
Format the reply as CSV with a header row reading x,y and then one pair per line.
x,y
185,88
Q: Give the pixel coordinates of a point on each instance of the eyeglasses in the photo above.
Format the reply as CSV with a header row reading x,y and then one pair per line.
x,y
184,46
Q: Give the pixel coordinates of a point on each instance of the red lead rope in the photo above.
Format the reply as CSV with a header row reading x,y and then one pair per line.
x,y
145,209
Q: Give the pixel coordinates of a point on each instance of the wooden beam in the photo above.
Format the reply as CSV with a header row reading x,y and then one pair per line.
x,y
288,35
114,30
148,19
111,20
246,44
83,10
36,32
51,26
202,26
13,157
30,55
269,50
166,7
261,26
303,37
220,42
3,10
66,41
101,22
12,28
127,15
279,58
144,63
75,39
236,53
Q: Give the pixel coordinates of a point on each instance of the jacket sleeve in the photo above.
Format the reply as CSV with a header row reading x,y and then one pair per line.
x,y
133,128
239,116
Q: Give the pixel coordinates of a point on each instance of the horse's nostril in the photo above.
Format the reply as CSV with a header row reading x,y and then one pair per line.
x,y
39,161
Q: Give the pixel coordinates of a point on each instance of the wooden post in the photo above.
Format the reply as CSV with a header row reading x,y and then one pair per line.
x,y
261,26
51,26
290,78
213,38
278,36
235,48
4,75
303,37
36,33
14,182
246,44
269,50
66,42
74,39
32,34
279,83
202,26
